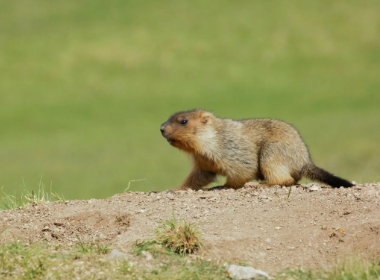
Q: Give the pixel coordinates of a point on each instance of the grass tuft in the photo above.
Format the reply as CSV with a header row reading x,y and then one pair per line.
x,y
87,247
41,195
172,236
178,236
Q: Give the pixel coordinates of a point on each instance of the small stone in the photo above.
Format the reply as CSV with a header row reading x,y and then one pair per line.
x,y
371,192
148,256
209,195
246,272
278,228
116,254
314,188
170,196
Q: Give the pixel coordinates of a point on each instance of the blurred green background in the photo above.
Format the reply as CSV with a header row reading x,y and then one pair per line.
x,y
85,85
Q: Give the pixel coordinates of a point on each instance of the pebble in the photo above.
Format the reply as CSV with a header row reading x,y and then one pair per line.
x,y
246,272
116,254
314,188
148,256
170,196
209,195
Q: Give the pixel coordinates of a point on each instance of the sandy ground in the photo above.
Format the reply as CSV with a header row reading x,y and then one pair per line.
x,y
263,227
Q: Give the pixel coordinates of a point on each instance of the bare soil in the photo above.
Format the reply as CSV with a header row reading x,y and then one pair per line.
x,y
269,228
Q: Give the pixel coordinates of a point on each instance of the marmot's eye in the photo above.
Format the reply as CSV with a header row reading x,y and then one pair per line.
x,y
183,122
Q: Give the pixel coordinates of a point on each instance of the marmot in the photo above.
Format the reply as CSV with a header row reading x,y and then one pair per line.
x,y
242,150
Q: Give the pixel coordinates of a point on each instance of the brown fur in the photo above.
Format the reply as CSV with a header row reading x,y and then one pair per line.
x,y
242,150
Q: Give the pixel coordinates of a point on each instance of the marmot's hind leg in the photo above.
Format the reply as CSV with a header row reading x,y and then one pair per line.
x,y
277,165
278,183
278,175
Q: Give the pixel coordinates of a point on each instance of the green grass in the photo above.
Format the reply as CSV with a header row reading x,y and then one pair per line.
x,y
86,246
90,260
350,269
38,196
44,261
85,85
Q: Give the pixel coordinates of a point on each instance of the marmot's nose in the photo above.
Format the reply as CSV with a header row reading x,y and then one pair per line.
x,y
162,128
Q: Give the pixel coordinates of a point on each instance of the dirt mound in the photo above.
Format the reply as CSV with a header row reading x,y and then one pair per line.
x,y
269,228
64,223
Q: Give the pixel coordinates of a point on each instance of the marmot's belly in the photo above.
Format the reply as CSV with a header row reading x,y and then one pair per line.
x,y
234,168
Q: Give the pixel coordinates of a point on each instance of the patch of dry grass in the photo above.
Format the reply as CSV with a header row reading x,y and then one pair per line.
x,y
179,236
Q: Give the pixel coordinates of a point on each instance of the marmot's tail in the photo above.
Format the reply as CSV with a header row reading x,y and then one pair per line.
x,y
318,174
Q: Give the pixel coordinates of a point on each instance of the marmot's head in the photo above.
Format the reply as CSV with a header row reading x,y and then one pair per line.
x,y
182,129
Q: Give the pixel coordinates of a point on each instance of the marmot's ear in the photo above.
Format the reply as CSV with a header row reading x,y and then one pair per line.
x,y
206,117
